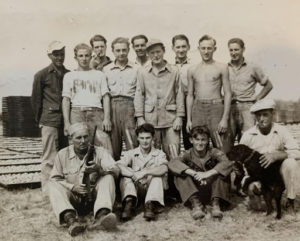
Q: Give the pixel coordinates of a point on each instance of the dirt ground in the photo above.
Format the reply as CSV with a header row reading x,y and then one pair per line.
x,y
26,216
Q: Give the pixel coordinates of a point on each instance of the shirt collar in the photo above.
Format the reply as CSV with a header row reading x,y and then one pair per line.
x,y
187,61
114,66
138,152
245,62
52,68
255,130
167,67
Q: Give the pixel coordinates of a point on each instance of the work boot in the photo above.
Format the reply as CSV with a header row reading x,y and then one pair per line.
x,y
149,211
74,227
216,211
197,208
128,210
106,219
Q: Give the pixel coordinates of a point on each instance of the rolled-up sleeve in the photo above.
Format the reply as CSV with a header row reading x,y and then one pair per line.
x,y
290,145
260,76
107,162
67,87
224,165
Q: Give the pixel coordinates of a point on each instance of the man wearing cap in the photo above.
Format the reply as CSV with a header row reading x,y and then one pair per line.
x,y
46,105
244,76
121,74
181,46
139,45
86,97
204,100
68,195
99,59
276,144
159,99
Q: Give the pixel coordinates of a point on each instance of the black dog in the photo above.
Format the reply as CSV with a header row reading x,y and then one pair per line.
x,y
247,160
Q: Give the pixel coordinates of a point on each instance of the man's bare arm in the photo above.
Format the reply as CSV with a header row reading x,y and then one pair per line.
x,y
265,90
189,99
66,107
106,107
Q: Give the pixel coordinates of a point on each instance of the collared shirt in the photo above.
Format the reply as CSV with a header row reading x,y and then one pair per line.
x,y
159,97
183,68
85,88
139,63
68,167
137,162
192,160
97,64
46,96
279,139
121,81
244,79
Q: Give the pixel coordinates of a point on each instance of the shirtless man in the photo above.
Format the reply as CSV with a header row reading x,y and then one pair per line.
x,y
204,100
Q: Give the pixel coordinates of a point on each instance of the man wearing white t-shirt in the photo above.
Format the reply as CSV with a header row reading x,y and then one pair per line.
x,y
86,97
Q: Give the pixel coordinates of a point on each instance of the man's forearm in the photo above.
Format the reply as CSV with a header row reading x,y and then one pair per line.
x,y
265,90
227,104
189,106
279,155
157,171
106,106
66,109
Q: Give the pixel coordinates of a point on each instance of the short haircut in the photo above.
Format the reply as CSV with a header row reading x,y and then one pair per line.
x,y
97,37
236,41
120,40
207,37
140,36
82,46
180,37
200,130
146,127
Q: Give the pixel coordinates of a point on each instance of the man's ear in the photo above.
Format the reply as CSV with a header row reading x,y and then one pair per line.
x,y
215,48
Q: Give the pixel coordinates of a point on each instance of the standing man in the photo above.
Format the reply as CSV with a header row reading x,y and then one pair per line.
x,y
99,60
243,77
121,76
204,100
68,194
46,105
84,91
181,46
142,170
139,45
276,144
159,99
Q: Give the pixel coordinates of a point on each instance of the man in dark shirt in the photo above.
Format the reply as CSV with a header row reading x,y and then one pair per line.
x,y
99,60
46,104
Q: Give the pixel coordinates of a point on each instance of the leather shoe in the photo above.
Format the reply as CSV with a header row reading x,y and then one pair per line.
x,y
149,211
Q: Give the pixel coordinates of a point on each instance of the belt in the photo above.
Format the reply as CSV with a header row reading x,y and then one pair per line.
x,y
213,101
121,97
86,108
245,101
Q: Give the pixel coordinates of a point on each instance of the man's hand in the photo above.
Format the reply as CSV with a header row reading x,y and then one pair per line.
x,y
266,160
177,124
92,167
80,189
139,175
188,126
66,128
222,127
140,121
106,125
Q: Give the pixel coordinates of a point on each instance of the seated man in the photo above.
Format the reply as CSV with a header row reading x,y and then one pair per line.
x,y
67,191
202,175
142,169
276,144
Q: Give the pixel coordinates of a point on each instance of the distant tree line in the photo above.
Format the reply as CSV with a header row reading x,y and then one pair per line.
x,y
287,111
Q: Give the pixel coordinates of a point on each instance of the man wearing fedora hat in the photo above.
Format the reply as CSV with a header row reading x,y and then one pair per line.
x,y
46,105
276,144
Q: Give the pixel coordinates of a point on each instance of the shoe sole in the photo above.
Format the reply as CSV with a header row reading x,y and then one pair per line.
x,y
77,230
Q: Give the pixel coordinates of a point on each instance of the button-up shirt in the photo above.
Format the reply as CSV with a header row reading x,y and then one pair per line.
x,y
192,160
279,139
121,81
137,162
244,79
183,68
68,167
159,97
46,96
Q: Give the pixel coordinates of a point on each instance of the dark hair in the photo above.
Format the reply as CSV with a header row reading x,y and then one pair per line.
x,y
82,46
236,41
97,37
180,37
200,130
207,37
146,127
120,40
140,36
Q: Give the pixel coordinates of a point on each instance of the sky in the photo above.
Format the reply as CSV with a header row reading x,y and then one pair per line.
x,y
270,29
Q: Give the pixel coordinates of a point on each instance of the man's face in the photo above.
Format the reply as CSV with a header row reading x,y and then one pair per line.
x,y
80,140
120,51
99,48
199,142
145,140
264,119
236,52
139,46
207,49
83,58
156,54
181,48
57,57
